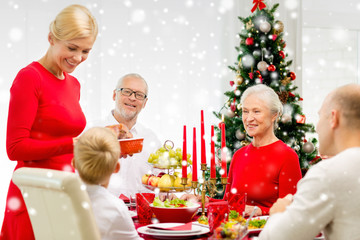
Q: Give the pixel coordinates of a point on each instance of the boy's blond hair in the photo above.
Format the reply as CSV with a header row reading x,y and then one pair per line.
x,y
96,154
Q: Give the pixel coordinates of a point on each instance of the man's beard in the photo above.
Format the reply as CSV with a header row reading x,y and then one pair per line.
x,y
128,116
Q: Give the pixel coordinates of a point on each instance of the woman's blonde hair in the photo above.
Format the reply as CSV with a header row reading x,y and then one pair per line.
x,y
269,96
74,21
95,155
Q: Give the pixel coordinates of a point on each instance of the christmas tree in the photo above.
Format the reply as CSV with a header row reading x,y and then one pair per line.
x,y
262,59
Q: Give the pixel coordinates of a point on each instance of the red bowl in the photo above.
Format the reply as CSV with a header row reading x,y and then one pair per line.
x,y
175,215
131,145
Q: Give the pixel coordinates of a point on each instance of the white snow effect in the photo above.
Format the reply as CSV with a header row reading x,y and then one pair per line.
x,y
111,52
189,3
49,174
225,5
83,187
32,211
127,3
16,34
291,4
85,205
233,190
14,203
324,197
221,172
138,16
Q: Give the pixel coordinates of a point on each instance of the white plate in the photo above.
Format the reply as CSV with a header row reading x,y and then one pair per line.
x,y
257,229
169,225
147,231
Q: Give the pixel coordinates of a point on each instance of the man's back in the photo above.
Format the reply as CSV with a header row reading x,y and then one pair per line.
x,y
327,199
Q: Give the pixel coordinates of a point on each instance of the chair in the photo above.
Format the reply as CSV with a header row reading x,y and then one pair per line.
x,y
58,204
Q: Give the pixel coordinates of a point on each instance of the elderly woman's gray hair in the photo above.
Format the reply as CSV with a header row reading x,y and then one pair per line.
x,y
268,95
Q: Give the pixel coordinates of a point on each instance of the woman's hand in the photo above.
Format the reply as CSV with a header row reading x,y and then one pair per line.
x,y
249,209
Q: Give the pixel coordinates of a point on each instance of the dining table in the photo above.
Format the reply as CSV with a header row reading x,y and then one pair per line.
x,y
249,236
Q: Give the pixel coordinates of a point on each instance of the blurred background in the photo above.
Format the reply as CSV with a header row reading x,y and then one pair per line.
x,y
183,49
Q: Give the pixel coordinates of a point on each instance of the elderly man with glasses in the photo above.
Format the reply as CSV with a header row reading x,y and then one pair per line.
x,y
130,96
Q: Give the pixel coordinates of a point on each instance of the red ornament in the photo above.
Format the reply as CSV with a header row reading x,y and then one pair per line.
x,y
300,119
259,76
251,75
249,41
232,83
291,94
282,54
292,75
258,4
274,37
271,68
233,107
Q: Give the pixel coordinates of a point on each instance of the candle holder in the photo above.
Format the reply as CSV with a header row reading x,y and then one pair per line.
x,y
208,185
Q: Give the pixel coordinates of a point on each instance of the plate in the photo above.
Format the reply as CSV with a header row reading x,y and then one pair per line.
x,y
169,225
257,230
147,231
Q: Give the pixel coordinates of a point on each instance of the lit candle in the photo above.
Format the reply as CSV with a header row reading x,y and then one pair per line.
x,y
184,158
223,153
212,160
194,170
203,154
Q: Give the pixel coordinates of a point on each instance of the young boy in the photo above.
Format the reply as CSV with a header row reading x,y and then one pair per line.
x,y
96,155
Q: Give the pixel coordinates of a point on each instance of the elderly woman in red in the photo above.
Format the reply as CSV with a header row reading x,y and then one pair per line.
x,y
267,168
44,112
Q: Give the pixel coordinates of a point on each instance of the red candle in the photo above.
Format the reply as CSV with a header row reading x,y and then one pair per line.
x,y
212,160
194,170
203,154
184,158
223,153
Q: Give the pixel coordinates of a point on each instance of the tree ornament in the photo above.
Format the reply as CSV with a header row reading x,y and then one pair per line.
x,y
283,43
256,53
249,41
296,148
249,25
274,37
278,27
265,27
230,113
271,68
285,118
292,75
232,83
245,143
239,79
282,54
283,96
300,119
285,81
262,65
258,4
308,147
239,134
238,106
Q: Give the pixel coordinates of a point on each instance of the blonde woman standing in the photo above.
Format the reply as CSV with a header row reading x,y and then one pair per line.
x,y
44,111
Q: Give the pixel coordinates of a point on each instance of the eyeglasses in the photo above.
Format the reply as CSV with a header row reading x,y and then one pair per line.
x,y
128,92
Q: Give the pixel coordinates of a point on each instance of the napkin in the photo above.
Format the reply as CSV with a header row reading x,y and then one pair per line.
x,y
186,226
124,198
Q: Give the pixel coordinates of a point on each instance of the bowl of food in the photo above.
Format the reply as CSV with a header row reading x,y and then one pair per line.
x,y
175,211
131,145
